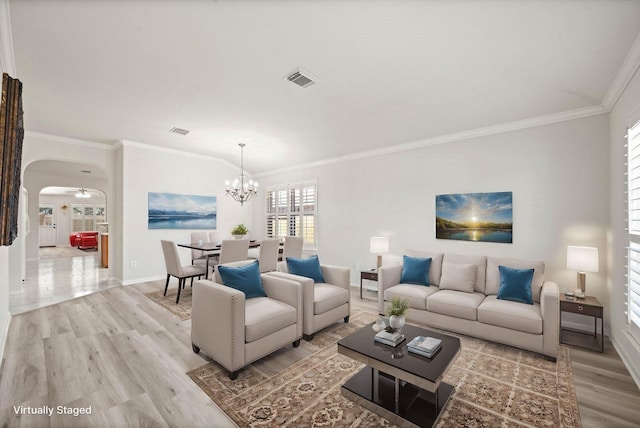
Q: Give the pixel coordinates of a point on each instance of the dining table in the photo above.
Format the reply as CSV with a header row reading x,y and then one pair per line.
x,y
211,249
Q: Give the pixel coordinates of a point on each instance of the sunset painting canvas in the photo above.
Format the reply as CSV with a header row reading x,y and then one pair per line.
x,y
485,217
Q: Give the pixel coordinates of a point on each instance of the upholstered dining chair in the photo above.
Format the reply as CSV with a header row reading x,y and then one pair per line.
x,y
175,268
292,247
197,254
268,256
233,250
236,327
214,236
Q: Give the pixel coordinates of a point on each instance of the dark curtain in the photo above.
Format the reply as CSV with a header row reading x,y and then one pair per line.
x,y
11,135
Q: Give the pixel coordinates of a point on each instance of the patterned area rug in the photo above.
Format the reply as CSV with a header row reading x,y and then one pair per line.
x,y
495,386
183,309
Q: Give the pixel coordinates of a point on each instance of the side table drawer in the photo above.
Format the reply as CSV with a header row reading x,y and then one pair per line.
x,y
372,276
577,308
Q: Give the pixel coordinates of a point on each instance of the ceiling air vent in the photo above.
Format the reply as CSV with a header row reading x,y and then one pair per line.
x,y
179,131
301,78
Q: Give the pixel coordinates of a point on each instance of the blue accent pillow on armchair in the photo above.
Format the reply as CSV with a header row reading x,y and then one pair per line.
x,y
515,284
244,278
415,270
309,267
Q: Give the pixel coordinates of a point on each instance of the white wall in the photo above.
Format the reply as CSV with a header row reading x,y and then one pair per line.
x,y
558,174
627,107
146,169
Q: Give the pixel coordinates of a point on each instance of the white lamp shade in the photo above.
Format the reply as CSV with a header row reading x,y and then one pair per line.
x,y
379,245
583,259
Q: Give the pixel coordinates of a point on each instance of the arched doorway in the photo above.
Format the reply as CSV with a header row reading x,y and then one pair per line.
x,y
65,200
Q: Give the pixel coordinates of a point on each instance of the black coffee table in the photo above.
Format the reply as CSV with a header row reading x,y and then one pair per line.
x,y
401,386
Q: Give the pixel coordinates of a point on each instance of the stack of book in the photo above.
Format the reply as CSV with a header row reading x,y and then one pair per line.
x,y
389,338
425,346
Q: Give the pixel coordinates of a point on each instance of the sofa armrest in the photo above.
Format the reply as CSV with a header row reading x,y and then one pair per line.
x,y
286,291
218,322
336,275
550,310
388,276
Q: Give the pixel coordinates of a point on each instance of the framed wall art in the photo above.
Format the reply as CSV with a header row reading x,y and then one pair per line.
x,y
483,217
174,211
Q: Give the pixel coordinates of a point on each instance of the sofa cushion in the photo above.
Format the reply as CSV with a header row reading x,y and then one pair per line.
x,y
479,261
513,315
263,316
515,284
327,297
309,267
415,270
416,294
458,277
244,278
493,274
455,303
436,264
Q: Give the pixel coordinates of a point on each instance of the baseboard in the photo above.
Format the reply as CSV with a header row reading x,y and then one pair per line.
x,y
147,279
625,350
4,329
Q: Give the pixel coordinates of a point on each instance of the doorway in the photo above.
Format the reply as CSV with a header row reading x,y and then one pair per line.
x,y
47,230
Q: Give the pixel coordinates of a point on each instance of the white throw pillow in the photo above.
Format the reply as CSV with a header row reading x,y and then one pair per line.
x,y
458,277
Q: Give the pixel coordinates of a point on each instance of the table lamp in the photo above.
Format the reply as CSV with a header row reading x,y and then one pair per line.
x,y
582,259
379,245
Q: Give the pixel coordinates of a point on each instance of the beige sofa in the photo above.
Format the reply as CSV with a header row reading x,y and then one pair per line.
x,y
477,311
236,331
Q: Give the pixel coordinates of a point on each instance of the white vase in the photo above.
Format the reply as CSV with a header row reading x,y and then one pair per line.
x,y
396,322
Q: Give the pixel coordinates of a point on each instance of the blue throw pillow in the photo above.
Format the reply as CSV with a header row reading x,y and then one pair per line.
x,y
515,284
415,270
309,267
244,278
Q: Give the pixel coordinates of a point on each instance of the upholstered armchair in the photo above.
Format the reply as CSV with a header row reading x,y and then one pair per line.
x,y
324,303
235,330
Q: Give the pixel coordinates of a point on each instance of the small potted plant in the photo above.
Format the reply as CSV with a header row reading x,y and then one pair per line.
x,y
397,312
239,231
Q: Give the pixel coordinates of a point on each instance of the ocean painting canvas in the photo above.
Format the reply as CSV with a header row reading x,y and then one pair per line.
x,y
173,211
484,217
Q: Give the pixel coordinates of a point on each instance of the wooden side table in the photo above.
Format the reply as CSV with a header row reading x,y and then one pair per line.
x,y
589,306
371,275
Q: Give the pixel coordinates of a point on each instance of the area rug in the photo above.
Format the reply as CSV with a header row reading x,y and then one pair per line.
x,y
182,309
495,386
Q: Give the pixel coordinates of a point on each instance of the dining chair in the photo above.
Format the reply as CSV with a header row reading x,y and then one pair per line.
x,y
197,254
214,237
292,247
175,268
268,257
233,250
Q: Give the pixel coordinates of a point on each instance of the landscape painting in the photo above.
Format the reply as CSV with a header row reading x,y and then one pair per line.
x,y
172,211
485,217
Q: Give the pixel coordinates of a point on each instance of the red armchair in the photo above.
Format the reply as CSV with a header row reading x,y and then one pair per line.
x,y
84,240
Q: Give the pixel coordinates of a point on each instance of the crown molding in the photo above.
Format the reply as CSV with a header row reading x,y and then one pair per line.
x,y
7,58
628,69
450,138
144,146
31,135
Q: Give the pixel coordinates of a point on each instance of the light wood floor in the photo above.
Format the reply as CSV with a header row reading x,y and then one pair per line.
x,y
126,357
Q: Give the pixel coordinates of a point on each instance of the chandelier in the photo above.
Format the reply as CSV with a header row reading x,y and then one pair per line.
x,y
242,190
83,193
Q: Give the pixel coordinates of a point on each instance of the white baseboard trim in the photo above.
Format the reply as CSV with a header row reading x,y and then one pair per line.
x,y
4,329
147,279
632,362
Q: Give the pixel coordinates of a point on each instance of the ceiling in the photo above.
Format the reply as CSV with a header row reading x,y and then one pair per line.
x,y
389,72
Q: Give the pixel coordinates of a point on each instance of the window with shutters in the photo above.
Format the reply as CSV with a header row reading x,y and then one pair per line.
x,y
633,213
291,210
86,217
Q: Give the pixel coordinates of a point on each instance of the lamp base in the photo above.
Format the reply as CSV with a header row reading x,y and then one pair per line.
x,y
579,294
379,261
